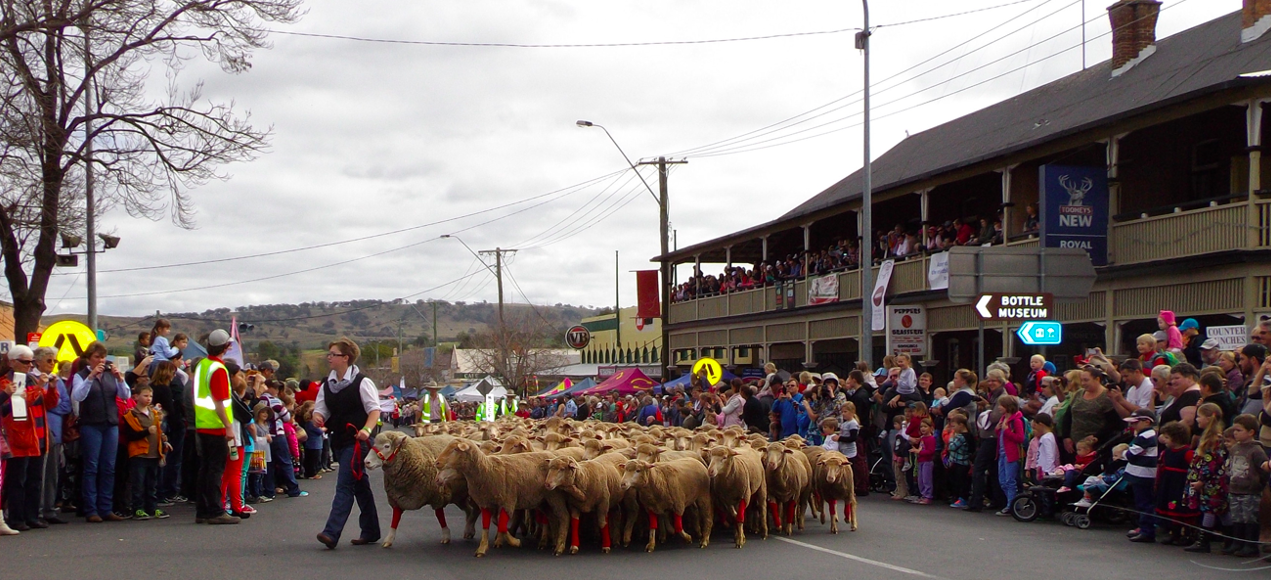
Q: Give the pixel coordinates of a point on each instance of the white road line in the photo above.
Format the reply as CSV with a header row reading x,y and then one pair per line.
x,y
847,556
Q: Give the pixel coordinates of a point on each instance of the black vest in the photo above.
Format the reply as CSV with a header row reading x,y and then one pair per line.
x,y
346,409
99,407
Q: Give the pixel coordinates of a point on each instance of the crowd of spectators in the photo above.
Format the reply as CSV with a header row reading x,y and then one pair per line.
x,y
899,243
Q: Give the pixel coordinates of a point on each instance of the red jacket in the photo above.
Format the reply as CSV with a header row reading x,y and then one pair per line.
x,y
28,437
1012,437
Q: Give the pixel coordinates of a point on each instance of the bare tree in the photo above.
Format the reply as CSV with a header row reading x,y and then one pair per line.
x,y
66,65
526,341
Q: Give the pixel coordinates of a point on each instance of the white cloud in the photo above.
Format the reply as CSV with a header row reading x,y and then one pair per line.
x,y
378,137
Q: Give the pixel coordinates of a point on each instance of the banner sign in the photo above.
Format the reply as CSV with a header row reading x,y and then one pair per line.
x,y
907,330
938,271
823,290
879,295
1074,203
1231,338
647,298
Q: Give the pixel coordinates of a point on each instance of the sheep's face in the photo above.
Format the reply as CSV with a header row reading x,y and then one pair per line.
x,y
456,455
718,458
384,444
836,467
794,442
514,445
595,448
775,456
554,441
701,441
635,474
561,472
648,453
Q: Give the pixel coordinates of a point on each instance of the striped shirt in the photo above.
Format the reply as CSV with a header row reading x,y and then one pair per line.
x,y
1141,456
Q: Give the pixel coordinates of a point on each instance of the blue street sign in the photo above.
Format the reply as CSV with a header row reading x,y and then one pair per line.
x,y
1041,333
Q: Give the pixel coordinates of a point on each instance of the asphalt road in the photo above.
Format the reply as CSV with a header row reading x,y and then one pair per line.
x,y
895,541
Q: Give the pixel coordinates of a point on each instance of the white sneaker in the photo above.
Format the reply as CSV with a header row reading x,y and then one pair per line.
x,y
1083,503
5,530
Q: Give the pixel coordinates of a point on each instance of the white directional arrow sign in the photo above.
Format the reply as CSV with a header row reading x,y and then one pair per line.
x,y
983,305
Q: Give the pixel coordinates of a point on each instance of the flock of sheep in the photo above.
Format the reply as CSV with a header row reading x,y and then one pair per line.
x,y
543,478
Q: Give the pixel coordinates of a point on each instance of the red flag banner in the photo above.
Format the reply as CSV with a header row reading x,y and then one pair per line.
x,y
647,293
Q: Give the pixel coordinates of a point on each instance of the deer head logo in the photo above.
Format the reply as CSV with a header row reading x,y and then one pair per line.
x,y
1076,193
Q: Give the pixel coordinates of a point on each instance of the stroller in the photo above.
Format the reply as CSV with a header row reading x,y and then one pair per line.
x,y
1045,499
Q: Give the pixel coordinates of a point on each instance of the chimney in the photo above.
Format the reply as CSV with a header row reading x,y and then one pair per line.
x,y
1134,32
1256,19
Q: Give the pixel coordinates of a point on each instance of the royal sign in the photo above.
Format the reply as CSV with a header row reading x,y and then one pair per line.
x,y
1015,306
1074,209
578,337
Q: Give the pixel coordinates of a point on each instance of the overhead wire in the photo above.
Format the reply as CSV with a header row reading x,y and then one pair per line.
x,y
562,231
880,86
612,183
627,44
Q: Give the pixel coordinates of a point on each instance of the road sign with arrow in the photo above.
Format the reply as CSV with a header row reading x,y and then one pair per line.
x,y
1041,333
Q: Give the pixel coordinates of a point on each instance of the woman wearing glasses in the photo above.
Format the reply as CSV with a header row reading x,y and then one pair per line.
x,y
348,406
24,403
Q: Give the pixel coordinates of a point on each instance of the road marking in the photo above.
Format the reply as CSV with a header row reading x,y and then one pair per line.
x,y
847,556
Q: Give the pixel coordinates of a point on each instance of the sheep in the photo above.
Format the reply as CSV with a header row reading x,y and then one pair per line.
x,y
597,447
789,484
590,486
658,454
411,480
505,483
554,441
701,441
738,480
833,479
673,487
814,453
516,444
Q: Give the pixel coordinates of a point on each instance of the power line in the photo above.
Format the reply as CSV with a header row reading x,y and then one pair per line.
x,y
611,184
760,145
798,119
630,44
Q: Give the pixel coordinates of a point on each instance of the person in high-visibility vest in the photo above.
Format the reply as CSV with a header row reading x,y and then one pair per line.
x,y
215,430
433,407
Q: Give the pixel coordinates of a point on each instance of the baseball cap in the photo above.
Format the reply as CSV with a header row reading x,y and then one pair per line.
x,y
1188,323
1160,336
1141,415
218,338
1209,344
270,364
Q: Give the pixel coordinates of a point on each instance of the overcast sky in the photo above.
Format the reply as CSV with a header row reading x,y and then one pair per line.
x,y
376,137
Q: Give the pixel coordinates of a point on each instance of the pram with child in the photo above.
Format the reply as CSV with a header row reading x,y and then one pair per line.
x,y
1067,496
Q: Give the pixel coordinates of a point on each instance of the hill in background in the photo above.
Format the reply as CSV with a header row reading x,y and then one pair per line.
x,y
288,331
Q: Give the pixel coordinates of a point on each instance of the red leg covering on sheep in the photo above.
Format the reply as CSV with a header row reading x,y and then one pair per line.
x,y
741,513
397,517
485,518
847,511
833,506
540,517
503,521
679,523
653,521
441,517
573,532
604,537
776,513
790,511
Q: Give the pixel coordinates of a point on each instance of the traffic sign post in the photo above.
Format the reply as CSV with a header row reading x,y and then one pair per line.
x,y
1015,307
714,372
1041,333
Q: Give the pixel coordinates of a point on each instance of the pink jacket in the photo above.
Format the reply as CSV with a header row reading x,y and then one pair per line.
x,y
1012,437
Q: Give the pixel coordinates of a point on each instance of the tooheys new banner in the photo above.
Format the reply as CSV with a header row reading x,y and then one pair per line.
x,y
878,296
649,304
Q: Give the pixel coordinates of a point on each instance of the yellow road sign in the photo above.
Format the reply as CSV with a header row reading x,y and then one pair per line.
x,y
70,338
714,372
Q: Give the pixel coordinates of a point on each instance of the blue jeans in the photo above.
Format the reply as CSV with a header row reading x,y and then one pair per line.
x,y
98,445
145,483
1145,503
281,472
170,476
1008,477
346,490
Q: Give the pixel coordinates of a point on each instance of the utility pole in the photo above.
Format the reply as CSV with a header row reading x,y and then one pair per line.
x,y
617,310
867,218
90,227
664,223
435,342
503,339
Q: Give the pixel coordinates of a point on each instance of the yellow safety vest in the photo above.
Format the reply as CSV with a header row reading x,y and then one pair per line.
x,y
428,410
205,416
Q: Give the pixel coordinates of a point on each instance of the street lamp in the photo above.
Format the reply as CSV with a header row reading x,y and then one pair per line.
x,y
664,227
69,243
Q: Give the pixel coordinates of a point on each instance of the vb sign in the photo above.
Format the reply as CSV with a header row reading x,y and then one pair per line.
x,y
1041,333
714,372
1015,307
578,337
70,338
